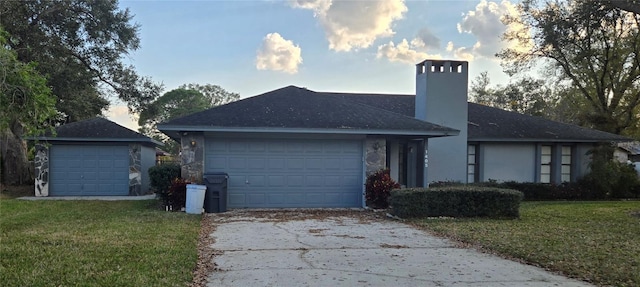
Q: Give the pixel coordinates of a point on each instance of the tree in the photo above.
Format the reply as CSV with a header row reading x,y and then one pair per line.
x,y
185,100
591,49
626,5
526,95
26,105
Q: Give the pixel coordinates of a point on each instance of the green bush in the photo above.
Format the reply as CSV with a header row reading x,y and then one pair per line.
x,y
611,179
160,176
456,201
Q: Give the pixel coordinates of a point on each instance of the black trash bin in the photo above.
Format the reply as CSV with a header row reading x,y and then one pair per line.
x,y
215,199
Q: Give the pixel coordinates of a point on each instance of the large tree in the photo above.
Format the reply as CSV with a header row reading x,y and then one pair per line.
x,y
26,105
79,46
187,99
590,48
525,95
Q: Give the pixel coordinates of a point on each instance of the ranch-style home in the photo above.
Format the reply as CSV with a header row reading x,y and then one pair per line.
x,y
294,147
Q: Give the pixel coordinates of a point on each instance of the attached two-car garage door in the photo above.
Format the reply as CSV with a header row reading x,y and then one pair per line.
x,y
88,170
271,173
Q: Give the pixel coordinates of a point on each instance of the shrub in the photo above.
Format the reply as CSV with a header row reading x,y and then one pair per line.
x,y
160,176
456,201
611,179
176,197
378,188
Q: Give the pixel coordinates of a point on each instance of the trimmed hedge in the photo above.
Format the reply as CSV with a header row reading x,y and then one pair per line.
x,y
456,201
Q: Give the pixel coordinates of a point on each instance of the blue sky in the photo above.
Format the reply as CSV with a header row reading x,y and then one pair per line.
x,y
252,47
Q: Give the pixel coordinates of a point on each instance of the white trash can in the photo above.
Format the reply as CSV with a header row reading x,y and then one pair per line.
x,y
195,198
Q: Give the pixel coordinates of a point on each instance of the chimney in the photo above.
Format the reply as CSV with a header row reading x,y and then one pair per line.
x,y
441,98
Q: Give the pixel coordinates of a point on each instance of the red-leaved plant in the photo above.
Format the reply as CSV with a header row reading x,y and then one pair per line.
x,y
378,188
176,197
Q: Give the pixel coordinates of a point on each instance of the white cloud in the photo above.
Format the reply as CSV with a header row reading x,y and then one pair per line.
x,y
460,52
486,24
354,24
278,54
120,115
404,52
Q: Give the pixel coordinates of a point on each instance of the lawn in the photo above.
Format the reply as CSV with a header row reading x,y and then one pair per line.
x,y
95,243
597,242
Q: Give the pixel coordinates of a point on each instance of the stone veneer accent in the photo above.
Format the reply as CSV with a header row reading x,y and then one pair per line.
x,y
192,157
41,163
135,169
376,156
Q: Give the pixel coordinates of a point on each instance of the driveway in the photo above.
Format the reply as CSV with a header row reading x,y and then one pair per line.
x,y
352,248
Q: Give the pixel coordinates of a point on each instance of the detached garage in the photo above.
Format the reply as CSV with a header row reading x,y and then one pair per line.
x,y
95,157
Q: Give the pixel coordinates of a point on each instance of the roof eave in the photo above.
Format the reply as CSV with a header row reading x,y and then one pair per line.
x,y
437,133
566,140
77,139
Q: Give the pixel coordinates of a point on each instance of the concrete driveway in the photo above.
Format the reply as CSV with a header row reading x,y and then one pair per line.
x,y
353,248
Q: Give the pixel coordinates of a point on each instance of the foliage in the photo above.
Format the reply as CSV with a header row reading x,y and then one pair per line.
x,y
95,243
160,176
591,241
378,188
456,201
187,99
25,98
176,196
609,178
595,49
80,46
526,96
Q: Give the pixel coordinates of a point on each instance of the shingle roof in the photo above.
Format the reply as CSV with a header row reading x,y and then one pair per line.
x,y
293,107
298,108
96,129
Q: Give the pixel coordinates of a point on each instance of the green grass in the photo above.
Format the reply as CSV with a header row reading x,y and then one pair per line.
x,y
95,243
594,241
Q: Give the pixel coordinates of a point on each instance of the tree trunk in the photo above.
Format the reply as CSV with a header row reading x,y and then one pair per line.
x,y
14,165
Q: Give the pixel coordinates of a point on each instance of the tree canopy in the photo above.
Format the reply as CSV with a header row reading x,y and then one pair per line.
x,y
590,49
187,99
79,45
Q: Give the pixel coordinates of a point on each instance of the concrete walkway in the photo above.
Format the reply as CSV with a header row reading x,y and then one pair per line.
x,y
289,249
108,198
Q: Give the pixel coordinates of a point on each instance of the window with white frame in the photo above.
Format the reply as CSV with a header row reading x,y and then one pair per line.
x,y
545,164
471,163
565,170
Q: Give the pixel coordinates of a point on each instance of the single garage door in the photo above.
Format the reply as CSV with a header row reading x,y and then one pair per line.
x,y
88,170
268,173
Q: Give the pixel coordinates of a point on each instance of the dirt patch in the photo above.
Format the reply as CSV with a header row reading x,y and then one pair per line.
x,y
15,191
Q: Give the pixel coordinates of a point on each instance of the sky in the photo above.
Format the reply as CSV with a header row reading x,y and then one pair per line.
x,y
253,47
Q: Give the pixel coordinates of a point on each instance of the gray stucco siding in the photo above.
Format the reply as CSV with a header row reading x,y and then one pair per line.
x,y
148,160
290,172
508,162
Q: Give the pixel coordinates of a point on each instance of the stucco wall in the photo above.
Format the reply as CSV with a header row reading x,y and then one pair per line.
x,y
148,159
441,98
508,162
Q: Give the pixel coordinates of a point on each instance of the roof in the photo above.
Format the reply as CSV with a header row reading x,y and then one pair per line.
x,y
97,130
294,109
493,124
633,148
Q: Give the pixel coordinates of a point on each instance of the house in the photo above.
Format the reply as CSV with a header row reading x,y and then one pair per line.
x,y
94,157
627,152
293,147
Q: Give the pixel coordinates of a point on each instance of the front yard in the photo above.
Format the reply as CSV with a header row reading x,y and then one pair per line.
x,y
597,242
95,243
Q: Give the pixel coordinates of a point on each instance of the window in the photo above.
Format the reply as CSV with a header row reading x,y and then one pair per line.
x,y
471,163
545,164
565,170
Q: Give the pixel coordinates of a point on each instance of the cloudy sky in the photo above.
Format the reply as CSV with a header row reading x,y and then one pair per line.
x,y
252,47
